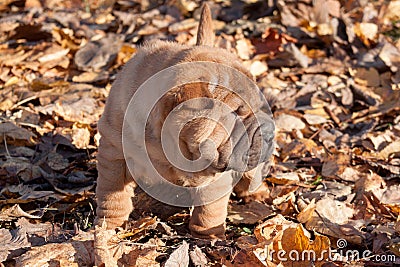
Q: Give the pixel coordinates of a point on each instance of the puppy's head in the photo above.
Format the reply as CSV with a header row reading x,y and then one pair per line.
x,y
216,121
225,129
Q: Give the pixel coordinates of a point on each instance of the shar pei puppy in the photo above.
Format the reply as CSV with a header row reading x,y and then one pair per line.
x,y
188,125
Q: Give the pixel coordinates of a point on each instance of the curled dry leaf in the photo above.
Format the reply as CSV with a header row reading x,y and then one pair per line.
x,y
137,256
249,213
287,122
180,257
306,214
20,167
291,241
99,54
367,32
368,77
72,253
198,257
12,240
15,212
80,136
12,134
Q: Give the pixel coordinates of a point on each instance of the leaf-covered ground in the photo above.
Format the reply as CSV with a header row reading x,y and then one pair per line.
x,y
330,69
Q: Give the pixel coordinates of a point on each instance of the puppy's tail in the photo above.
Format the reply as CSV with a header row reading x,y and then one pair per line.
x,y
205,32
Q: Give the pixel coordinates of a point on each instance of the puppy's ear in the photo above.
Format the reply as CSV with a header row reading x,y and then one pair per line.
x,y
205,32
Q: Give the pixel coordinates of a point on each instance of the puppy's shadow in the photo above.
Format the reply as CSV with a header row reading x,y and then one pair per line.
x,y
145,205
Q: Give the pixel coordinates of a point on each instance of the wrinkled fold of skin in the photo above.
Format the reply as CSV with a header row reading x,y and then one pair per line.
x,y
224,144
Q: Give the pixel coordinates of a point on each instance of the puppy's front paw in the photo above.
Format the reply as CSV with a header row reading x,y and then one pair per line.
x,y
208,221
215,232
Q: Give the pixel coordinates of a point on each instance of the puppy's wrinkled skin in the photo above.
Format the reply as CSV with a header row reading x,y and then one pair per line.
x,y
115,183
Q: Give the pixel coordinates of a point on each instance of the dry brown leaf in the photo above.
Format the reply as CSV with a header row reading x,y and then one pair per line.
x,y
80,136
244,48
56,161
91,77
72,253
15,212
291,241
258,68
285,122
97,55
391,56
314,119
145,256
12,240
249,213
337,165
180,257
272,41
299,148
198,257
183,25
104,247
367,32
20,167
333,218
272,228
392,11
306,213
12,134
55,52
393,149
247,258
297,243
83,110
335,211
368,77
26,194
390,195
284,178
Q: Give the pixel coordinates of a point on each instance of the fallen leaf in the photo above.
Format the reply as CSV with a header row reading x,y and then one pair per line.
x,y
284,178
333,210
298,240
140,257
244,48
367,32
12,240
314,119
72,253
15,212
99,54
258,68
368,77
249,213
287,122
12,134
180,257
272,228
392,11
306,213
80,136
198,257
393,149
